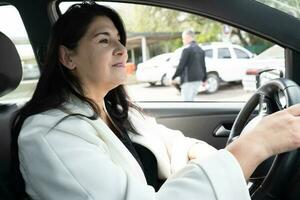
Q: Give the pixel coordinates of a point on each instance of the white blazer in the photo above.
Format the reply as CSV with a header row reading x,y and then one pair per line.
x,y
82,159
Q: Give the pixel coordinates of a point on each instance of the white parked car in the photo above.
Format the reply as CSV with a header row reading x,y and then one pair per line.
x,y
272,58
31,71
225,62
154,70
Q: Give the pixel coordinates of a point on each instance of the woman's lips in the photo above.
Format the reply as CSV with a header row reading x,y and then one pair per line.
x,y
119,65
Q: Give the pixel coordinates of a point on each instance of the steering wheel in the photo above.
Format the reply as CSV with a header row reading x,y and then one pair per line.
x,y
273,96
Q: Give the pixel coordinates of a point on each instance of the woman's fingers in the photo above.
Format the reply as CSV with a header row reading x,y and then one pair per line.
x,y
274,134
294,110
281,130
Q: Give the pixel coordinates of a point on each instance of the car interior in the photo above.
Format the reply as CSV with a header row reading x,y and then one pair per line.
x,y
216,122
11,75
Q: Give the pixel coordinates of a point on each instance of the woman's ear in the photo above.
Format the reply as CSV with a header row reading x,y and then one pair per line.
x,y
65,57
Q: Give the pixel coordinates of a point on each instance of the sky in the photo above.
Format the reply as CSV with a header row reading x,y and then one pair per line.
x,y
11,23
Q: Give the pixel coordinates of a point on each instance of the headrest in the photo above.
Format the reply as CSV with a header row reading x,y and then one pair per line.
x,y
10,66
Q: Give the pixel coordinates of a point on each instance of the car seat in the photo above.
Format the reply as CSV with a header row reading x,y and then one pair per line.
x,y
10,77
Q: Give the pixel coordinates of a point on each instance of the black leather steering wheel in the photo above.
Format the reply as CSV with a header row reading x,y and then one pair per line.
x,y
282,166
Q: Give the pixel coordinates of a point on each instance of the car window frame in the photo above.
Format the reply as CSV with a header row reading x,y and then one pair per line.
x,y
240,50
228,50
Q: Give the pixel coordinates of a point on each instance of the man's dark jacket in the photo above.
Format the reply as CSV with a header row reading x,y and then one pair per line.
x,y
192,64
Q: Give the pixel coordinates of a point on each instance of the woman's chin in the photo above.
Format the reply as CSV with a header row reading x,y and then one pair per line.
x,y
123,79
120,82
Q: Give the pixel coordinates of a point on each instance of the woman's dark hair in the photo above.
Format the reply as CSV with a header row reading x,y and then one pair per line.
x,y
57,83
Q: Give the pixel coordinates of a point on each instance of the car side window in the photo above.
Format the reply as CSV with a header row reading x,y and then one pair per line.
x,y
12,26
208,53
240,53
224,53
154,34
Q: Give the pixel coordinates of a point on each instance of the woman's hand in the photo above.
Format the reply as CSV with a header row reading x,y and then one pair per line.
x,y
274,134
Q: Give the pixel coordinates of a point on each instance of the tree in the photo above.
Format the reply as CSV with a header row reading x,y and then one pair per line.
x,y
140,18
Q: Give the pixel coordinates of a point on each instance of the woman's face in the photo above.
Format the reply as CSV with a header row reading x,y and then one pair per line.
x,y
100,58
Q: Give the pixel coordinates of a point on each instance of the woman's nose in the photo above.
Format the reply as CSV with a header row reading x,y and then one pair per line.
x,y
120,50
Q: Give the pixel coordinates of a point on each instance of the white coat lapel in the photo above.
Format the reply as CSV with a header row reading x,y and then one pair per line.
x,y
118,152
149,137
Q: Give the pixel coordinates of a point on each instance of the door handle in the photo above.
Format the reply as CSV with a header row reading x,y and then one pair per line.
x,y
221,131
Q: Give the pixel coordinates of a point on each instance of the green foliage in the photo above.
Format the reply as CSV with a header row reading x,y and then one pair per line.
x,y
211,31
149,19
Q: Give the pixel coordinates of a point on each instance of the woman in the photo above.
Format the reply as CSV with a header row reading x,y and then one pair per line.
x,y
79,137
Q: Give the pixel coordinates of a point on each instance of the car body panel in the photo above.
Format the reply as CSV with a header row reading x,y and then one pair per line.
x,y
153,69
271,58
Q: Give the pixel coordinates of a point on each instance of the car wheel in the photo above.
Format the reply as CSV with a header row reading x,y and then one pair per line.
x,y
152,83
164,80
213,83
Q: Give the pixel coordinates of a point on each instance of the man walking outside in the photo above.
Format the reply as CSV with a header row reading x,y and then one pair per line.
x,y
191,68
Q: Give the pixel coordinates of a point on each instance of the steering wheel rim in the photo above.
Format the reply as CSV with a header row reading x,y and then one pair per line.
x,y
284,164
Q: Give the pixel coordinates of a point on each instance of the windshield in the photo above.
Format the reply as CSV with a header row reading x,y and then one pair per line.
x,y
274,52
291,7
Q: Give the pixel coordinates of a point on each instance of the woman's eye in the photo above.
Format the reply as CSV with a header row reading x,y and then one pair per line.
x,y
104,41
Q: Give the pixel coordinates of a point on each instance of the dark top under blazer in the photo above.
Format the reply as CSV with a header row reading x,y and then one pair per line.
x,y
192,64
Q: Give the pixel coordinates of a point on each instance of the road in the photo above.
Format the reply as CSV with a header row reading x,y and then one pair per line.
x,y
145,92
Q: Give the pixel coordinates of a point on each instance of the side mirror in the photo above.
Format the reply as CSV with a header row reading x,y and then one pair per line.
x,y
266,75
